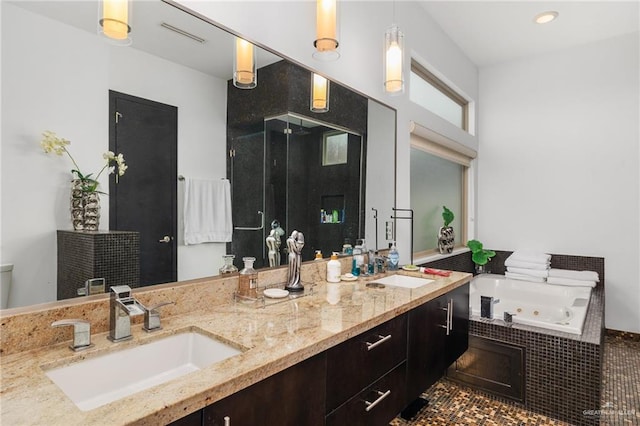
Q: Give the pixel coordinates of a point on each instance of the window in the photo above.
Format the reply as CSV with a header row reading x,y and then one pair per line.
x,y
334,148
429,92
439,177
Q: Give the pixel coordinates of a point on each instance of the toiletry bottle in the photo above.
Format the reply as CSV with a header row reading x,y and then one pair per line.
x,y
358,255
334,269
228,267
394,257
346,247
318,255
248,278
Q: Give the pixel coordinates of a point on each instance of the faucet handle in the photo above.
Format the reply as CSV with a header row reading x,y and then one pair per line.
x,y
81,333
152,317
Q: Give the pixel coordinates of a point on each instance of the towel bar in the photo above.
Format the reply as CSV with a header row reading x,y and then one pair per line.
x,y
248,228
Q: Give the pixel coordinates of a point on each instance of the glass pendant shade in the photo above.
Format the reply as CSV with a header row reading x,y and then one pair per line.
x,y
244,65
319,93
114,21
393,61
326,42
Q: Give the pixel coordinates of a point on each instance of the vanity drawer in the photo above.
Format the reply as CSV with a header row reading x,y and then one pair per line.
x,y
376,405
361,360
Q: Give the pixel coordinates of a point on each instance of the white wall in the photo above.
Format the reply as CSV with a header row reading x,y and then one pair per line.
x,y
49,61
559,162
288,27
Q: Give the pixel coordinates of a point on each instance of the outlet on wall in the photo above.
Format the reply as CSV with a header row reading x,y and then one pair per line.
x,y
389,230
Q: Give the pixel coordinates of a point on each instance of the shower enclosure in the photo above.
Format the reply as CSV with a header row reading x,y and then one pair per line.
x,y
302,174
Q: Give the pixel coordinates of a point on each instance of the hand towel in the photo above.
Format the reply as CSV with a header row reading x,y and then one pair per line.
x,y
521,277
530,256
523,264
575,275
570,282
530,272
207,211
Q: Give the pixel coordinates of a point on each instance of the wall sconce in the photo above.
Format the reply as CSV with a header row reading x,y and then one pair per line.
x,y
114,17
326,41
244,65
393,61
319,93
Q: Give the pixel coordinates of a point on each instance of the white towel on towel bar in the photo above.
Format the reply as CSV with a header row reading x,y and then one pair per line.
x,y
571,282
207,211
523,277
540,273
575,275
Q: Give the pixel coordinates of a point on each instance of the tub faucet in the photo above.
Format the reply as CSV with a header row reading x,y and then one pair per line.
x,y
486,306
122,306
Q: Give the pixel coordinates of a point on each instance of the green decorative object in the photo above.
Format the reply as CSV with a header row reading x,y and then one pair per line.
x,y
480,255
446,235
447,216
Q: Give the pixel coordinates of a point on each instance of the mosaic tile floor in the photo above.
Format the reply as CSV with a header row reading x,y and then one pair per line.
x,y
454,404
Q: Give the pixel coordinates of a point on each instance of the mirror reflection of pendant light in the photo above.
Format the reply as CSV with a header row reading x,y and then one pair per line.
x,y
114,19
326,42
244,65
319,93
393,61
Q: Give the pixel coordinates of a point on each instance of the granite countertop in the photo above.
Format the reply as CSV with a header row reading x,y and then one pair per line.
x,y
272,339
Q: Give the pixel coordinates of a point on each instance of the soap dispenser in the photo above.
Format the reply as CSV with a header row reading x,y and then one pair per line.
x,y
334,269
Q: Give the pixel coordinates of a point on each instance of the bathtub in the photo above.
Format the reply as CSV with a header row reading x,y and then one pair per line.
x,y
554,307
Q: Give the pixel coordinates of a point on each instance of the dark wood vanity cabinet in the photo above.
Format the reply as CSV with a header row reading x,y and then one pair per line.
x,y
438,333
366,376
295,396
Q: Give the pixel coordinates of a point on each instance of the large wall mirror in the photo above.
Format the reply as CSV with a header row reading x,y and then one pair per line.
x,y
57,73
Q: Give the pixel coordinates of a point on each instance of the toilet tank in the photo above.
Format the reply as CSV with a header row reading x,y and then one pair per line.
x,y
6,270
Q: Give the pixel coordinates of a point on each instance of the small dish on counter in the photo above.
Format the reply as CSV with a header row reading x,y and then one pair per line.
x,y
348,277
275,293
410,268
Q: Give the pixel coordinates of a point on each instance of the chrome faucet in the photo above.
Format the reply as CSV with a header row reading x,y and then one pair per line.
x,y
81,333
152,317
122,306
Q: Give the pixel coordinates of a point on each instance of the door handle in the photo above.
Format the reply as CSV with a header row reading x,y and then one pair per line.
x,y
165,239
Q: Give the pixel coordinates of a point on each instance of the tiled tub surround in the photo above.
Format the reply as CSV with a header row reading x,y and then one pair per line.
x,y
272,338
562,370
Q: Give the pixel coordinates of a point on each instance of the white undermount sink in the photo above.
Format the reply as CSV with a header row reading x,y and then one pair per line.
x,y
96,381
402,281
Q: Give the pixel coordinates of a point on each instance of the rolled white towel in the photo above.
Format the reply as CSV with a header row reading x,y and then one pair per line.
x,y
530,256
541,273
574,275
570,282
528,265
522,277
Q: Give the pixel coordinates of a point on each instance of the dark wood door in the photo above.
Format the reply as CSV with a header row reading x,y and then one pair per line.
x,y
144,200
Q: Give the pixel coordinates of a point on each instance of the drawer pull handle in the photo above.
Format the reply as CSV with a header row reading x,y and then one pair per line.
x,y
379,342
227,421
382,396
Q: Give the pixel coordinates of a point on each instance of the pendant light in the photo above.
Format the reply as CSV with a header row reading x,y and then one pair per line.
x,y
244,65
114,21
326,42
319,93
393,59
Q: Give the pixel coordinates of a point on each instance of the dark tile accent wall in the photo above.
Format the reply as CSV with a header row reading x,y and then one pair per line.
x,y
562,371
112,255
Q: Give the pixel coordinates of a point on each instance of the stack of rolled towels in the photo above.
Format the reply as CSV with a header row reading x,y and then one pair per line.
x,y
528,266
536,267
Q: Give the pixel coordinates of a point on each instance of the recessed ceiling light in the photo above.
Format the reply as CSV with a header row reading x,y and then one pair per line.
x,y
545,17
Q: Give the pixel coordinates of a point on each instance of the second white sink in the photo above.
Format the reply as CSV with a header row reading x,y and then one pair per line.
x,y
402,281
93,382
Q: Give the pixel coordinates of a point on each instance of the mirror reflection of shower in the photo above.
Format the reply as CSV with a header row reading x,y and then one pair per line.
x,y
311,178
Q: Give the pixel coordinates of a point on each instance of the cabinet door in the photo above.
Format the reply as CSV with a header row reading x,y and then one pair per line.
x,y
293,397
378,404
458,339
426,346
358,362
